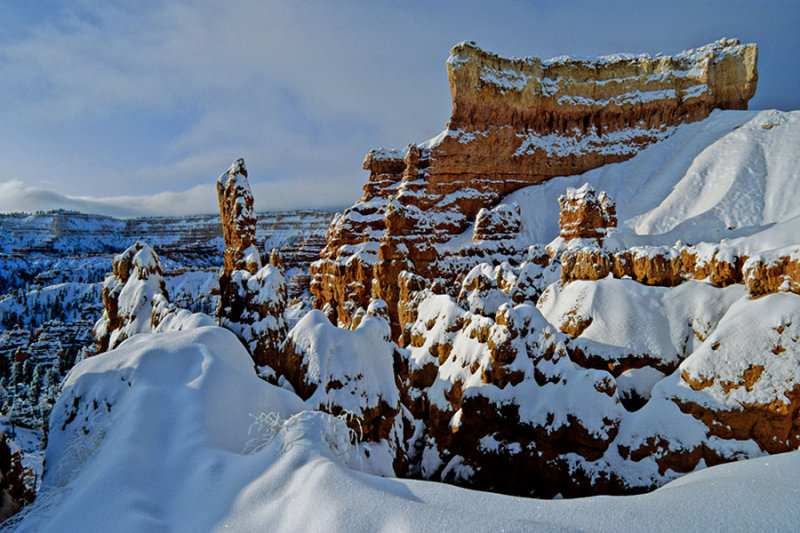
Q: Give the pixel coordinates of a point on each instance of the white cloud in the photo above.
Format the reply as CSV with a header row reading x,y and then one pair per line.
x,y
16,196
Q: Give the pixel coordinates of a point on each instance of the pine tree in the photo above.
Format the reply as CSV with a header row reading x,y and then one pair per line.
x,y
5,366
52,377
36,376
27,371
45,408
14,378
34,390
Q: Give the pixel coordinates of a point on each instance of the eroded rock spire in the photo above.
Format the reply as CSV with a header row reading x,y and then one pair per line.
x,y
252,297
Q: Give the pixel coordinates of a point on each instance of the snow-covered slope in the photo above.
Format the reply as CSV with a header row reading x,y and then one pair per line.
x,y
735,176
168,433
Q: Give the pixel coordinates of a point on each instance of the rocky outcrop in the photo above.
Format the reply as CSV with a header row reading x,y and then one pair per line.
x,y
493,389
498,389
13,492
498,223
767,273
586,217
584,214
238,220
351,373
134,297
752,394
135,300
778,271
514,123
252,297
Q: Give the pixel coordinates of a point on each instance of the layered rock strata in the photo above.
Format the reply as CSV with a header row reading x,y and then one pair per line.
x,y
252,297
515,122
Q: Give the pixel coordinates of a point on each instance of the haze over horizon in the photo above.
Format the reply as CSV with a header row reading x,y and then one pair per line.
x,y
135,110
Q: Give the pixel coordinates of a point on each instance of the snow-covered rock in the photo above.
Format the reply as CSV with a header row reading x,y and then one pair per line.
x,y
349,372
252,298
135,300
514,123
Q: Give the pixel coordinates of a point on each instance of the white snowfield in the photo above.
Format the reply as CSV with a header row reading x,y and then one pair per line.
x,y
164,434
734,176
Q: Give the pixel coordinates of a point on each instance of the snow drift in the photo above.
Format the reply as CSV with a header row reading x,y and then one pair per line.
x,y
153,436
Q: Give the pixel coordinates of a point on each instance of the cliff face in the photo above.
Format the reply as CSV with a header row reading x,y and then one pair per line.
x,y
194,240
515,122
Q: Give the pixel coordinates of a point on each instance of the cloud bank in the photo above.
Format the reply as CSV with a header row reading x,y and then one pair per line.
x,y
16,196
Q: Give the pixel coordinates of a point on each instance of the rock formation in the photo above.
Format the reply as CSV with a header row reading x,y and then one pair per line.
x,y
586,217
515,122
134,296
584,214
13,492
498,389
252,297
348,372
495,394
499,223
444,351
135,300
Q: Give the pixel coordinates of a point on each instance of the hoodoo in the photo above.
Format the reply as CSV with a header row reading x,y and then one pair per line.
x,y
252,297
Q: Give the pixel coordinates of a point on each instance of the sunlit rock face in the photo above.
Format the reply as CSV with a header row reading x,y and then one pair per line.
x,y
584,214
515,122
586,217
238,219
252,297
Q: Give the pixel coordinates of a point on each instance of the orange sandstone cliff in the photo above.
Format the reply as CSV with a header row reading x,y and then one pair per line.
x,y
515,122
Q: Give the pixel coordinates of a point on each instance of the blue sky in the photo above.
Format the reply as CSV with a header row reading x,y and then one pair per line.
x,y
136,107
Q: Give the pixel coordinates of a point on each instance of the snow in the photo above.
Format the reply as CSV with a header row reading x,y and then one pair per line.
x,y
360,360
170,454
638,382
629,318
762,333
174,431
732,176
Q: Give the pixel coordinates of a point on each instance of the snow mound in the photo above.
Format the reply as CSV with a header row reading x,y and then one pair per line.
x,y
152,436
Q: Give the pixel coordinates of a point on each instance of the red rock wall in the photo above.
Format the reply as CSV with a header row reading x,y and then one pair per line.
x,y
764,274
515,122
